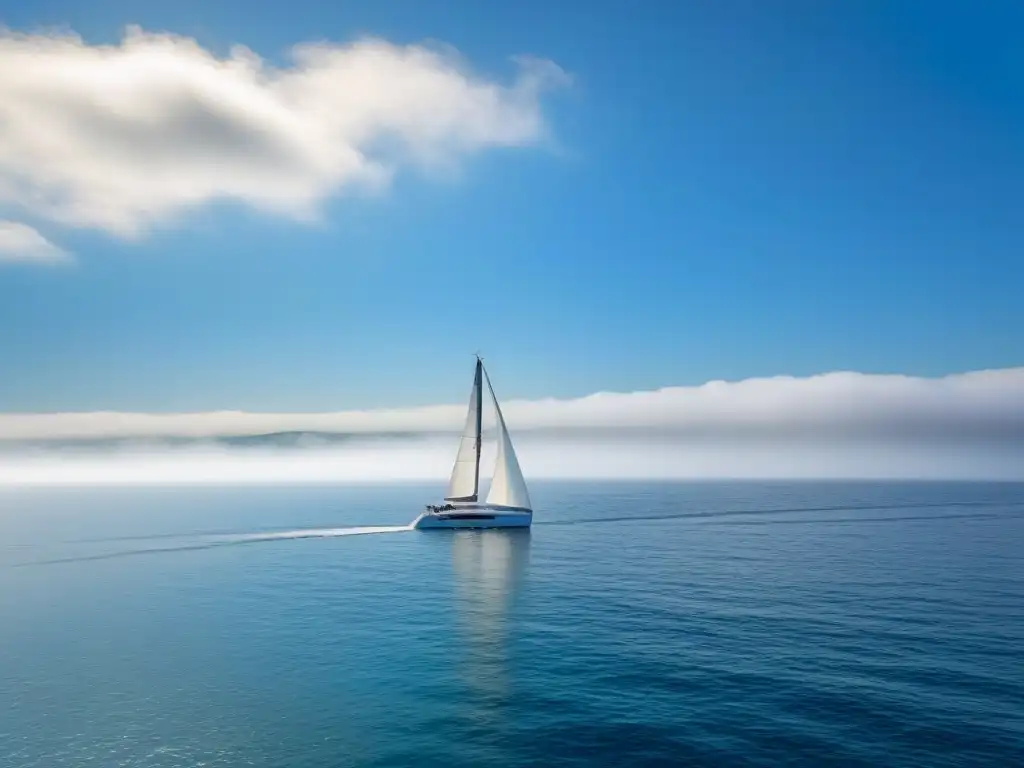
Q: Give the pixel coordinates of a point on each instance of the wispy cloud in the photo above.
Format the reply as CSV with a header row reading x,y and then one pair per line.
x,y
122,137
20,243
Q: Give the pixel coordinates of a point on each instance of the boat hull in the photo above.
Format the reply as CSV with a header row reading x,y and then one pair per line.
x,y
479,517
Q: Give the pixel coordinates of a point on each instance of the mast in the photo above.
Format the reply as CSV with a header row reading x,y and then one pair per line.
x,y
478,391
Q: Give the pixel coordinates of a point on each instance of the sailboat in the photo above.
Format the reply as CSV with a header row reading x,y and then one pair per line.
x,y
508,502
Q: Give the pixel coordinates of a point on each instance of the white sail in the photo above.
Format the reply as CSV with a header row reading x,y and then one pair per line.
x,y
508,488
465,480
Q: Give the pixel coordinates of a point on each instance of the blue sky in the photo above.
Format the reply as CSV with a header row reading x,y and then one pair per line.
x,y
727,191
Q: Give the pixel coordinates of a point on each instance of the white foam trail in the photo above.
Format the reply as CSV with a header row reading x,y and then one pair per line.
x,y
323,533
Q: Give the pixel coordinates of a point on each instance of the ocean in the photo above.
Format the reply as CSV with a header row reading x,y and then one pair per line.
x,y
637,624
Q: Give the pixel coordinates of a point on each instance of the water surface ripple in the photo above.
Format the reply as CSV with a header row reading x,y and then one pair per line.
x,y
718,624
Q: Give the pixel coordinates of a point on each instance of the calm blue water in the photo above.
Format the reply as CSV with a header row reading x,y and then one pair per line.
x,y
698,624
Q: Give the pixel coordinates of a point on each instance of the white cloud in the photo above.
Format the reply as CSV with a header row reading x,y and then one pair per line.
x,y
21,243
979,404
122,137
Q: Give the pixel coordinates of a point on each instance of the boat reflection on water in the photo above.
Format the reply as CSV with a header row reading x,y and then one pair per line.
x,y
489,570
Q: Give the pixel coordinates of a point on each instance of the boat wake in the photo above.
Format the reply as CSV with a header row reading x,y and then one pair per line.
x,y
212,541
320,533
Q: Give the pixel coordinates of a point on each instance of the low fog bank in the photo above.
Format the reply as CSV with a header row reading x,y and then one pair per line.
x,y
836,425
429,458
981,404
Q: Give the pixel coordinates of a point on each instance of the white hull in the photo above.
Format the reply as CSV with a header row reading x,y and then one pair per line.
x,y
475,517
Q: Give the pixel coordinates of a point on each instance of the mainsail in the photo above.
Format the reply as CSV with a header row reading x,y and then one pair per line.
x,y
465,480
508,487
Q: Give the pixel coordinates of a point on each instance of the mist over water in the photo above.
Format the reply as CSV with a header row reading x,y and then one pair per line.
x,y
835,425
635,455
